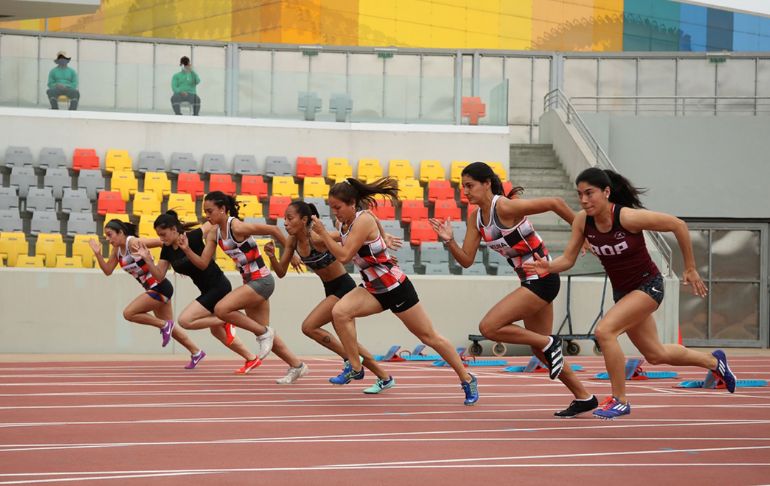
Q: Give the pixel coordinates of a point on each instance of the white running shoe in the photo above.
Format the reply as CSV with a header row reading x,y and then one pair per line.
x,y
265,342
293,375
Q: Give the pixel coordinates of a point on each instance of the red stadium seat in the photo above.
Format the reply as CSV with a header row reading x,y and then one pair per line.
x,y
190,183
222,182
384,209
413,211
278,205
85,159
254,185
447,208
473,109
308,167
110,202
421,232
440,190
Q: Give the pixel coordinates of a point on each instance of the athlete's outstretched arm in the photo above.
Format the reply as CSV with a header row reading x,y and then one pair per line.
x,y
280,267
518,208
364,227
201,261
158,271
106,266
467,254
566,260
244,230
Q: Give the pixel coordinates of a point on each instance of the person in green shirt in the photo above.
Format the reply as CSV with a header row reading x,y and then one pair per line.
x,y
63,80
183,85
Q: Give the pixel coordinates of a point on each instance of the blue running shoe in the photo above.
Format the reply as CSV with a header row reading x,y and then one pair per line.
x,y
380,385
471,389
723,370
611,408
347,374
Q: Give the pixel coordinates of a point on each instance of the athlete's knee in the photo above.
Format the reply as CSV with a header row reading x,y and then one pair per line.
x,y
221,311
128,315
603,334
341,314
488,329
309,329
656,357
184,321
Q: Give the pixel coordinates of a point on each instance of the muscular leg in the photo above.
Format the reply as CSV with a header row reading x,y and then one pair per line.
x,y
645,338
241,298
163,312
195,316
356,303
497,324
260,313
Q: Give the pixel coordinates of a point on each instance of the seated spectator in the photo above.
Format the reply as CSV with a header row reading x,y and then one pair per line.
x,y
63,80
183,85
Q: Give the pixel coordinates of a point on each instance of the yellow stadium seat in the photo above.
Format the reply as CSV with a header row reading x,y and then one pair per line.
x,y
338,169
158,183
410,189
110,216
146,203
184,206
81,248
117,160
28,261
498,169
250,207
50,246
12,245
224,261
456,170
431,170
69,262
315,187
401,170
146,227
369,170
125,182
285,186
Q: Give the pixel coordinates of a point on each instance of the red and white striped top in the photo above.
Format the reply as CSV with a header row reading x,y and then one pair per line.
x,y
135,266
378,271
245,254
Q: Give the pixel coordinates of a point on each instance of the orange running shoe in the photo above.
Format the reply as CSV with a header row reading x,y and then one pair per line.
x,y
230,332
250,365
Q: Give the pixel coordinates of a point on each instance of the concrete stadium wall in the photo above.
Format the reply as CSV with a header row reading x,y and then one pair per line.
x,y
80,311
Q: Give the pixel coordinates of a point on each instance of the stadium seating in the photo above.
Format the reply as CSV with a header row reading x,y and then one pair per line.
x,y
222,182
499,169
277,206
405,258
81,223
456,169
369,170
18,157
447,208
119,216
68,262
410,189
12,245
30,261
50,246
224,261
438,190
58,179
431,170
214,164
392,227
277,166
146,228
52,158
145,203
184,206
44,222
308,167
285,186
421,231
475,269
81,248
85,158
10,220
433,252
338,169
401,170
413,210
110,202
315,187
254,185
250,206
158,183
323,209
473,108
384,209
9,198
92,181
151,162
22,178
118,160
40,200
182,162
125,182
245,164
190,183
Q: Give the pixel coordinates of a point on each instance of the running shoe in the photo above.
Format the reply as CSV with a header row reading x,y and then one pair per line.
x,y
195,359
723,370
471,389
348,373
265,342
554,358
380,385
229,333
250,365
577,407
611,408
165,332
293,374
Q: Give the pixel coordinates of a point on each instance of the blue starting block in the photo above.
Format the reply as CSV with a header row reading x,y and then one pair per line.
x,y
634,371
472,361
417,354
713,382
391,355
535,366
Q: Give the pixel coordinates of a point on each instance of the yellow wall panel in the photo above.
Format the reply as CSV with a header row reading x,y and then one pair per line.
x,y
483,24
563,25
516,25
608,25
377,23
339,22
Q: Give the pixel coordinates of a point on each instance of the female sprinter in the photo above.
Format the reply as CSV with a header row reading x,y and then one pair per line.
x,y
235,238
178,243
336,280
613,220
385,286
157,296
502,223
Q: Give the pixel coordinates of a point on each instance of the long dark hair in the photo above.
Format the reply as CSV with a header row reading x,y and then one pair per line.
x,y
128,229
305,210
481,172
354,191
171,220
621,190
222,200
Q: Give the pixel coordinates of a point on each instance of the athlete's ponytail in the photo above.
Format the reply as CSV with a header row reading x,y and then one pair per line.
x,y
481,172
305,210
128,229
222,200
621,190
171,220
353,191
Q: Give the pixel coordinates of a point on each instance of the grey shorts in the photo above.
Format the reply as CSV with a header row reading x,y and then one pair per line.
x,y
264,286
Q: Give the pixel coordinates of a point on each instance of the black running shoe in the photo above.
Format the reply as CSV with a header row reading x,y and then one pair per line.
x,y
577,407
554,358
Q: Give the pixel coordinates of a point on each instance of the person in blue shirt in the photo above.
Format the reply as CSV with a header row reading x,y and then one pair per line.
x,y
63,80
183,85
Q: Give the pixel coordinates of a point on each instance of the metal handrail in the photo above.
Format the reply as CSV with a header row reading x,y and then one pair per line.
x,y
681,105
556,100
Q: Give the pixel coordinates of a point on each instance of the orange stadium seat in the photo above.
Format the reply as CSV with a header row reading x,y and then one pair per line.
x,y
447,208
413,210
125,182
12,245
431,170
308,167
278,205
117,160
254,185
473,109
369,170
110,202
400,169
338,169
158,183
81,249
190,183
421,231
222,182
438,190
384,209
84,158
50,246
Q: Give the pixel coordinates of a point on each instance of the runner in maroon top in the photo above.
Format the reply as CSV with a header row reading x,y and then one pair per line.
x,y
613,220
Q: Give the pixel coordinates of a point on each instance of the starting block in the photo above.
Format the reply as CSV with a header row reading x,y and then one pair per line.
x,y
634,371
391,355
472,361
417,354
714,382
535,366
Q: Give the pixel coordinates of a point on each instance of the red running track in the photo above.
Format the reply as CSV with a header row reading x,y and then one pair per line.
x,y
148,422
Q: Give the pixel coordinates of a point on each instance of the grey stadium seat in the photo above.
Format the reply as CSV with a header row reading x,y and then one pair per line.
x,y
81,223
18,157
475,269
75,200
182,162
151,162
9,198
40,200
320,205
255,220
434,253
45,222
58,179
10,220
437,269
23,178
459,228
214,164
52,158
92,181
276,165
245,164
393,227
